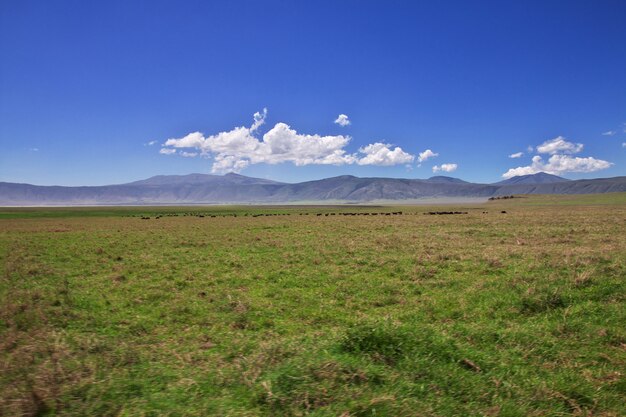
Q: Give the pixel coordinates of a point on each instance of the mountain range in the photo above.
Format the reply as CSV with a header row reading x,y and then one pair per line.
x,y
235,188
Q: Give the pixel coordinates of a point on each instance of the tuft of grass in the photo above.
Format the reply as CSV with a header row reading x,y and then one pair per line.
x,y
383,341
541,303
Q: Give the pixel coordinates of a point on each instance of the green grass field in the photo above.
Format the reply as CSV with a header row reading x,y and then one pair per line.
x,y
496,314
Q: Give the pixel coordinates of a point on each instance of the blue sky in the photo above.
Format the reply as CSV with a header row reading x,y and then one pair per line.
x,y
86,86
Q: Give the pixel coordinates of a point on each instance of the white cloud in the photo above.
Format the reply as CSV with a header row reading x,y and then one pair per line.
x,y
381,154
192,140
609,133
238,148
259,119
342,120
559,164
559,145
167,151
228,163
151,143
284,144
427,154
623,144
188,154
33,149
516,155
445,168
530,149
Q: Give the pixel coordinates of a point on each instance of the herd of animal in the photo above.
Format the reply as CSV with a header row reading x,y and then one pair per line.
x,y
158,216
503,197
384,213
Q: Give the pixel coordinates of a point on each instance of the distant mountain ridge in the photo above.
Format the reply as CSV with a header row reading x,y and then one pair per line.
x,y
442,178
230,178
235,188
538,178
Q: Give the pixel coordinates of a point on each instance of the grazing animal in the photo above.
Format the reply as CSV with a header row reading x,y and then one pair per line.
x,y
445,212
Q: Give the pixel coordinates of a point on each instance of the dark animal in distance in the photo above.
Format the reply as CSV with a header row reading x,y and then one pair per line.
x,y
202,215
433,213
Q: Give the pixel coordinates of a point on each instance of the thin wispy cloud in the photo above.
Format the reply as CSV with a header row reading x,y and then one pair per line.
x,y
516,155
342,120
236,149
151,143
614,132
188,154
445,168
259,119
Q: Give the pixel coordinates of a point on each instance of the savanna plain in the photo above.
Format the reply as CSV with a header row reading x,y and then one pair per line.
x,y
315,310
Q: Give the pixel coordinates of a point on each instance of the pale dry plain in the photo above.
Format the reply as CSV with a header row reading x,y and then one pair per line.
x,y
511,314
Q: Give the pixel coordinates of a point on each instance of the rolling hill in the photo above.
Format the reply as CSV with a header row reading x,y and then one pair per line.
x,y
539,178
235,188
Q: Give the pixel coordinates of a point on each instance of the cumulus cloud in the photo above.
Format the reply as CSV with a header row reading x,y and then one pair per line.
x,y
623,144
382,154
445,168
238,148
516,155
559,145
609,133
559,164
561,160
427,154
188,154
228,163
342,120
192,140
167,151
530,149
284,144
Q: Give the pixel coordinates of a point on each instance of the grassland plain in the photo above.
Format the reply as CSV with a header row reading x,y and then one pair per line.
x,y
510,314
